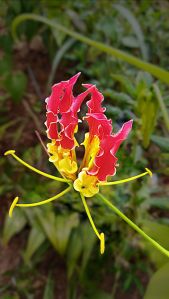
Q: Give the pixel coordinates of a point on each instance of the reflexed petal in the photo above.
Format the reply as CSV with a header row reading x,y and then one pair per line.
x,y
54,99
62,108
105,162
97,98
51,124
52,131
61,97
99,124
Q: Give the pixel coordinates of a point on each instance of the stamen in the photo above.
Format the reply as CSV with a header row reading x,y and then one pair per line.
x,y
15,204
100,236
148,171
134,226
12,152
102,243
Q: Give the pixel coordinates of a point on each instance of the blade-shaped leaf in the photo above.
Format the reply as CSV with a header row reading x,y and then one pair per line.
x,y
36,238
74,250
158,287
13,225
159,232
89,240
127,14
162,142
153,69
57,228
49,289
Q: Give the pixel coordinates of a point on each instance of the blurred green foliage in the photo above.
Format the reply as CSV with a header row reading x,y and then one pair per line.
x,y
27,69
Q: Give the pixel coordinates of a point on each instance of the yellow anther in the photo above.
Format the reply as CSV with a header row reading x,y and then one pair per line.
x,y
149,172
10,152
102,243
13,205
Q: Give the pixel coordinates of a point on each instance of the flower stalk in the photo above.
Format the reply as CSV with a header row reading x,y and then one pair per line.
x,y
134,226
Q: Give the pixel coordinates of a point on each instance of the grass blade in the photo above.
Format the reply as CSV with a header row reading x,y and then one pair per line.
x,y
162,105
156,71
59,54
126,13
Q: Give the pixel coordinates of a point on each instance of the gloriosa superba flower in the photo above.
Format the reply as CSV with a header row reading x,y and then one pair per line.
x,y
100,144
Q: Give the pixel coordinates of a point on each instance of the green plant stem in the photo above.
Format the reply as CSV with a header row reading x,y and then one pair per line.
x,y
162,105
149,67
134,226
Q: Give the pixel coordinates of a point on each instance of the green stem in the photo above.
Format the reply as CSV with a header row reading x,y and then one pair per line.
x,y
162,105
134,226
148,67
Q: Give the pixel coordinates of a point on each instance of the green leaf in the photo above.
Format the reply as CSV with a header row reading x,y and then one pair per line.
x,y
162,142
146,102
159,232
158,202
35,240
13,225
47,222
81,244
13,296
4,127
5,65
59,55
127,14
130,42
57,228
64,226
99,294
120,97
74,250
126,83
158,288
148,120
162,105
89,240
6,43
153,69
15,84
49,289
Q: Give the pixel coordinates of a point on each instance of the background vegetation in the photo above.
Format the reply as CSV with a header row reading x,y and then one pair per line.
x,y
51,252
